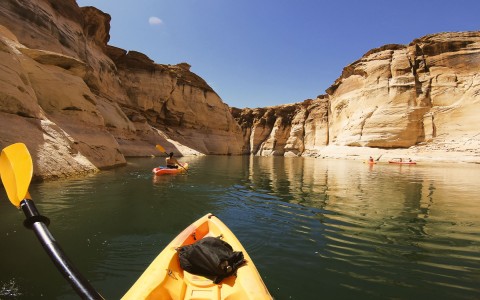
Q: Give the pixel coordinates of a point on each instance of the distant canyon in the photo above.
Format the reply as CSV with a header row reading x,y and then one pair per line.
x,y
81,105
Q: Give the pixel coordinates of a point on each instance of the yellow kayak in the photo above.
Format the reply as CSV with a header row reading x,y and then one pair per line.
x,y
165,279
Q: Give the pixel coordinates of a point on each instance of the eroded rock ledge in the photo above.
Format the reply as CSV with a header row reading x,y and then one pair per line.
x,y
424,96
81,105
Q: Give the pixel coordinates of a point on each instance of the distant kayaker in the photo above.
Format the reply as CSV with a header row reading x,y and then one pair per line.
x,y
172,162
370,159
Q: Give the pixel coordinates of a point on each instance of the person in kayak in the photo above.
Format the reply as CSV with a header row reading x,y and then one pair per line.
x,y
172,163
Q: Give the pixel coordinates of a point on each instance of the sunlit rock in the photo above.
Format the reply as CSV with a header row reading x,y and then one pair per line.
x,y
422,96
58,69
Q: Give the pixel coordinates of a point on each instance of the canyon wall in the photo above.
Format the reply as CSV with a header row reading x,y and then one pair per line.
x,y
285,130
425,95
80,104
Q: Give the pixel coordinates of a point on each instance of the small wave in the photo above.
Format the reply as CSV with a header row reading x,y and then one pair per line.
x,y
10,289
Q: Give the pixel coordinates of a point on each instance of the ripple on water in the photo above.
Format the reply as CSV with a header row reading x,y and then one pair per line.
x,y
129,253
370,239
10,289
360,233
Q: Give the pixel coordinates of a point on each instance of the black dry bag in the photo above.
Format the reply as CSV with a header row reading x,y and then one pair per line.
x,y
210,257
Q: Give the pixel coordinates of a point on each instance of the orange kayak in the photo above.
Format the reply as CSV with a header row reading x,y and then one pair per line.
x,y
402,162
165,279
165,170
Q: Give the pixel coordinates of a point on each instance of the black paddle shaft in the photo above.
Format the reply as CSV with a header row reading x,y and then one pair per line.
x,y
38,224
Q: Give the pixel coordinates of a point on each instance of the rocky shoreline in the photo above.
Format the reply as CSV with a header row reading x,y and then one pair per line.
x,y
82,105
418,154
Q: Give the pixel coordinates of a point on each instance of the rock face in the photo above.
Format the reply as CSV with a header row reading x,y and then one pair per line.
x,y
80,104
400,96
425,94
285,130
177,102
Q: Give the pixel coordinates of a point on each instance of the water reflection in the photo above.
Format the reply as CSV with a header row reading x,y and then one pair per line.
x,y
352,230
382,220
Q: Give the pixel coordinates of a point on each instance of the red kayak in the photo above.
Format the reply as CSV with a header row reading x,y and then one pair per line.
x,y
165,170
399,162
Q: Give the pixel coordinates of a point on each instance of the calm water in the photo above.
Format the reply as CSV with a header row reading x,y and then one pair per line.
x,y
316,229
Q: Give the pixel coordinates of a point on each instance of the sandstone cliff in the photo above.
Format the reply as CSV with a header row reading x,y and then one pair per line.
x,y
422,96
80,104
285,130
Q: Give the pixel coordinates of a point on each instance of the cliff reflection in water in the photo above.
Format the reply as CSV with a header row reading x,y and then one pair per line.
x,y
382,220
382,190
351,230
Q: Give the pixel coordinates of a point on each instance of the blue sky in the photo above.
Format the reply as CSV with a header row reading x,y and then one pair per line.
x,y
257,53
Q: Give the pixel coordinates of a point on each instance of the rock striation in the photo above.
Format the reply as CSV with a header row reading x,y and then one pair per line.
x,y
285,130
400,96
81,105
422,96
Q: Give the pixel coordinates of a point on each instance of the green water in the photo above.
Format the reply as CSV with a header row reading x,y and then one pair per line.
x,y
316,229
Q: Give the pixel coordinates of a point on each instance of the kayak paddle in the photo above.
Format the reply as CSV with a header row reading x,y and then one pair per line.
x,y
16,171
161,149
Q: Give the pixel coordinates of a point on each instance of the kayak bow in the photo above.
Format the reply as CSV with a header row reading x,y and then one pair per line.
x,y
165,279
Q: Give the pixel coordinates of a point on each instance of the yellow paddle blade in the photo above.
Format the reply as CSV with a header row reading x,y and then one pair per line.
x,y
16,168
160,148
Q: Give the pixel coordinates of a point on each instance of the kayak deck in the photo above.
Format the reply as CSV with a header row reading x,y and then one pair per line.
x,y
165,170
165,279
